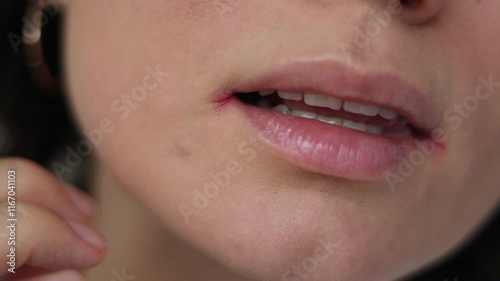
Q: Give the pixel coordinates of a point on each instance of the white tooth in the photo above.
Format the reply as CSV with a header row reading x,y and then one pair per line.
x,y
283,109
303,114
322,101
264,103
359,108
266,93
334,103
376,130
388,114
314,100
290,95
355,125
331,120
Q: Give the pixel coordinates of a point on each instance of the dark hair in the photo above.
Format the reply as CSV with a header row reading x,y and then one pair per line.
x,y
35,122
34,125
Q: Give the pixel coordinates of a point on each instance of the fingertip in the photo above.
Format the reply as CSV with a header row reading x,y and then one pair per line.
x,y
82,201
89,235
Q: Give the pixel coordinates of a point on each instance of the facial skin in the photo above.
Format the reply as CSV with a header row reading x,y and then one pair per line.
x,y
273,215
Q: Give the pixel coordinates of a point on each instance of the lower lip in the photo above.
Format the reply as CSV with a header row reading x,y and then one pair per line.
x,y
327,149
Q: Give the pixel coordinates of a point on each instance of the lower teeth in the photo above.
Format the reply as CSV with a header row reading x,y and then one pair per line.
x,y
346,123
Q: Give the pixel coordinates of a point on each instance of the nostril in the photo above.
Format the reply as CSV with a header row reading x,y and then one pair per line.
x,y
421,11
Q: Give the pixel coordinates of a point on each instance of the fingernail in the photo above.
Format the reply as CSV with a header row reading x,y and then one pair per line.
x,y
88,234
80,199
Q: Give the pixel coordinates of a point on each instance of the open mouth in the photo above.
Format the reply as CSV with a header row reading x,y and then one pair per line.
x,y
323,117
367,118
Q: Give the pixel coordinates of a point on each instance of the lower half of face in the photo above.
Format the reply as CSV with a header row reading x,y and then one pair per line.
x,y
296,140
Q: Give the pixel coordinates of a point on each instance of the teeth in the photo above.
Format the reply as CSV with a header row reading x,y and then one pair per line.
x,y
376,130
331,120
304,114
359,108
355,125
322,101
290,95
283,109
319,100
388,114
266,93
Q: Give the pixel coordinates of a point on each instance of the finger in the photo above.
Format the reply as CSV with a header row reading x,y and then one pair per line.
x,y
35,184
49,241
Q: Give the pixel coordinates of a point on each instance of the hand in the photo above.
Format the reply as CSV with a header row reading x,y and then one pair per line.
x,y
53,238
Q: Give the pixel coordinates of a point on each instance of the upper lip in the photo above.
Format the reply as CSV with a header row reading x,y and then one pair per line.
x,y
337,80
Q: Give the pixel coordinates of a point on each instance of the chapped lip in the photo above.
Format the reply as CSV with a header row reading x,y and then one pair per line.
x,y
334,79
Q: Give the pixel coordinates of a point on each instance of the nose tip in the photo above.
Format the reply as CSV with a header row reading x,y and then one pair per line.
x,y
421,11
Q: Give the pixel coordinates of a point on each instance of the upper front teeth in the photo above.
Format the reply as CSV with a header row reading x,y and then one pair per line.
x,y
290,95
320,100
266,93
323,101
359,108
387,113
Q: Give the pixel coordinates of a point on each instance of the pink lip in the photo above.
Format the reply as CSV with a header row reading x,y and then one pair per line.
x,y
327,149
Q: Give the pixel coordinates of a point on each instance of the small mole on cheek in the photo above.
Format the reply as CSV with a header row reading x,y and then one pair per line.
x,y
181,149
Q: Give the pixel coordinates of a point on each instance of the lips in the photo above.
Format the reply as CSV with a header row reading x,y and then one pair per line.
x,y
326,118
358,116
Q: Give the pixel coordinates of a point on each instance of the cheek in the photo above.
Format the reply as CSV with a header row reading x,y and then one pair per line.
x,y
112,65
108,60
472,92
130,95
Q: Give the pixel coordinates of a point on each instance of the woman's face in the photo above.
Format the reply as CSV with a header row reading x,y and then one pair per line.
x,y
284,197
